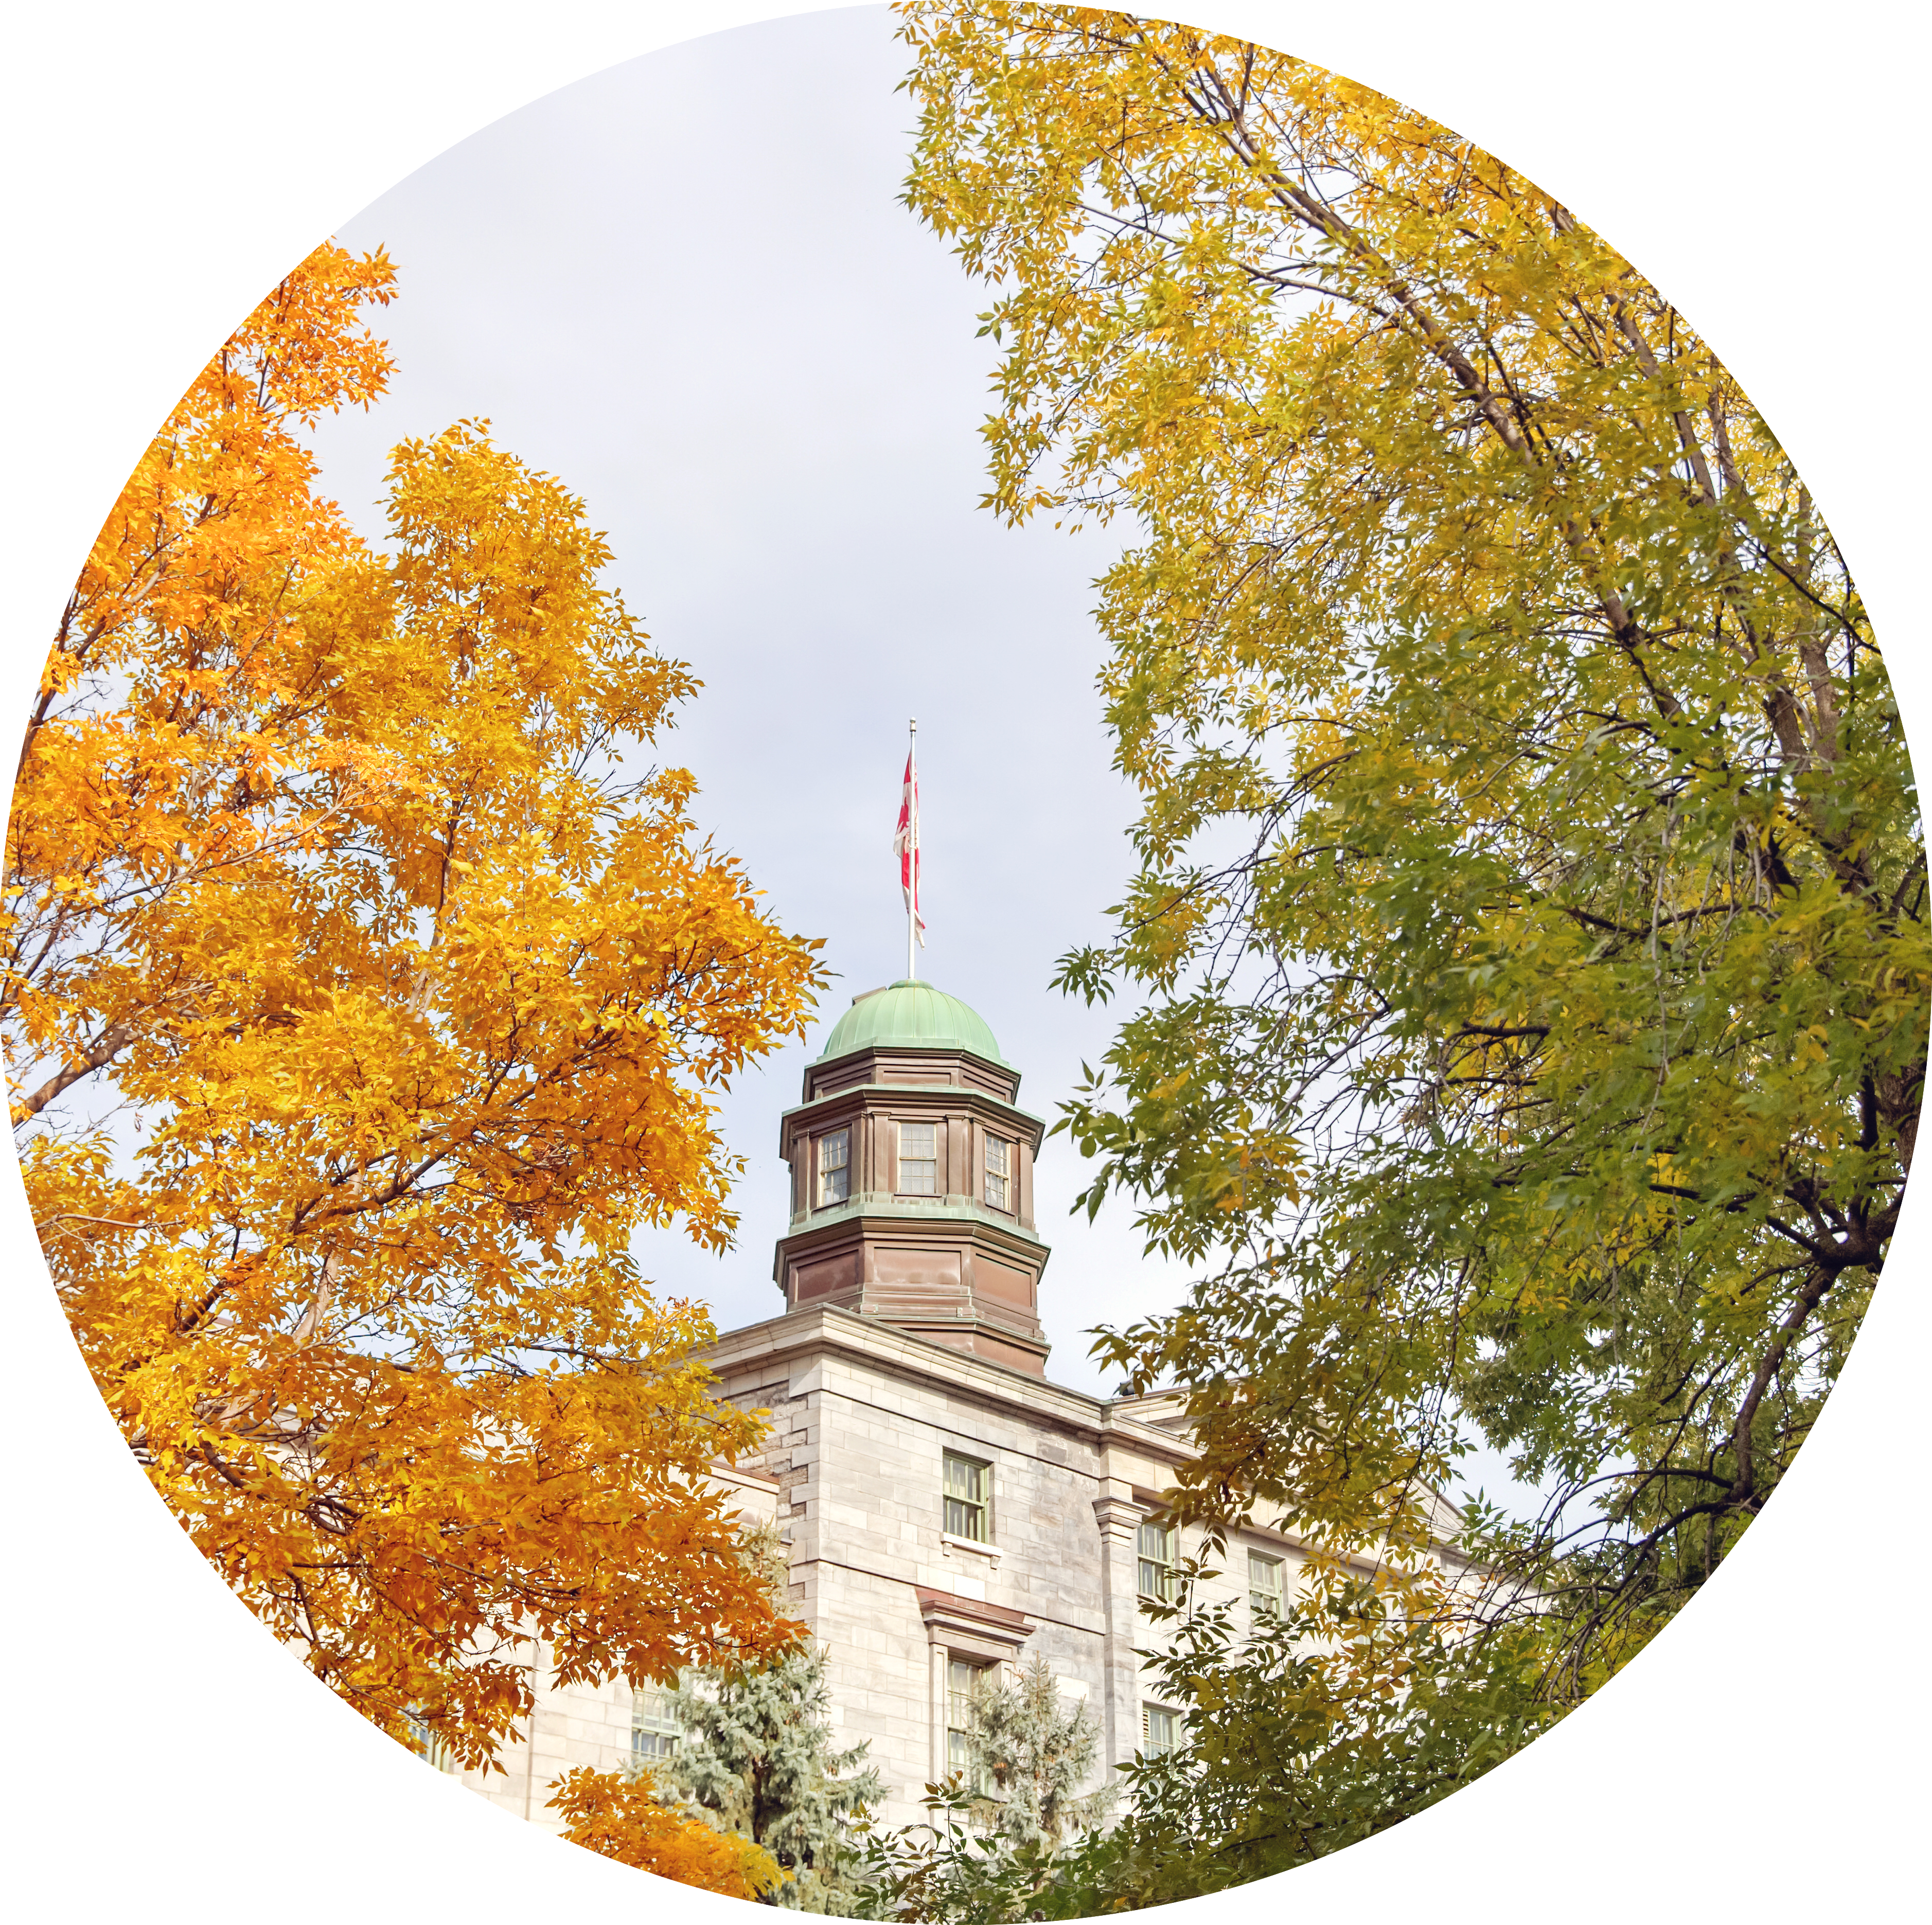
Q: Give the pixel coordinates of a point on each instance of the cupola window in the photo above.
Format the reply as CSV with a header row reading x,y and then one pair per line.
x,y
835,1167
999,1172
918,1160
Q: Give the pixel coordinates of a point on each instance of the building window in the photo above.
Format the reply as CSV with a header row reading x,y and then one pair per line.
x,y
1157,1559
1264,1585
424,1743
999,1171
835,1167
964,1683
969,1490
918,1160
1160,1731
654,1732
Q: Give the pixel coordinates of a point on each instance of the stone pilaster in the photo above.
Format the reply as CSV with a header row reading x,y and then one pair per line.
x,y
1119,1517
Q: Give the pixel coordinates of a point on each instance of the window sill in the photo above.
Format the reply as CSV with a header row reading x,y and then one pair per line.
x,y
949,1544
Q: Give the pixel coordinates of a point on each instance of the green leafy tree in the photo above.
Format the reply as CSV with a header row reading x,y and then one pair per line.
x,y
1528,937
1318,1727
949,1871
758,1752
1324,1724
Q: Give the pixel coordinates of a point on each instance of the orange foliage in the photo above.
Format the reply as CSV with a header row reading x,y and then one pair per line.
x,y
628,1819
360,1004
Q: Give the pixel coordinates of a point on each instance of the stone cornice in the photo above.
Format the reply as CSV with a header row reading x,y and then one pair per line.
x,y
1118,1517
968,1627
884,1053
724,1471
946,1217
994,1617
823,1327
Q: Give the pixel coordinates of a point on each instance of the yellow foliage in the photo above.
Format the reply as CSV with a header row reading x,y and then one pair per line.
x,y
328,875
628,1819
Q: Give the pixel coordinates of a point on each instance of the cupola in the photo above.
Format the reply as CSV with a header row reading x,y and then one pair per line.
x,y
912,1179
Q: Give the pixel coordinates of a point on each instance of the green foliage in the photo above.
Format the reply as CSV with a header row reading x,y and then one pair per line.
x,y
758,1752
1003,1853
1528,943
1331,1722
1033,1755
1345,1714
949,1871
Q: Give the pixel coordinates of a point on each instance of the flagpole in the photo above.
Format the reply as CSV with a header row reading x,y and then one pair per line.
x,y
912,826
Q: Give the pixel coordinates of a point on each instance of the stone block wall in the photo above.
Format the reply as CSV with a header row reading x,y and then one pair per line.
x,y
857,1450
851,1473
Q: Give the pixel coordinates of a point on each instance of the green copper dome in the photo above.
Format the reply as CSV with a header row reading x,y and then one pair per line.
x,y
910,1014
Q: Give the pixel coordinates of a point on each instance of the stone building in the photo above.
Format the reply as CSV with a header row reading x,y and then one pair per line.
x,y
948,1509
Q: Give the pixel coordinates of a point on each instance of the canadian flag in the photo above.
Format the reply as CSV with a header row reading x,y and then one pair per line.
x,y
905,841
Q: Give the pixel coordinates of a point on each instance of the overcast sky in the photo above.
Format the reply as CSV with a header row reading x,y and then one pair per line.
x,y
686,286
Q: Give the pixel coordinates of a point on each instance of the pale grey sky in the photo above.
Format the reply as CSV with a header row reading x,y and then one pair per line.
x,y
686,287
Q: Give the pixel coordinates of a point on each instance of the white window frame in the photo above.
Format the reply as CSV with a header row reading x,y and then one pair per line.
x,y
424,1741
962,1711
1269,1598
900,1159
1172,1739
1156,1549
821,1172
1003,1174
655,1733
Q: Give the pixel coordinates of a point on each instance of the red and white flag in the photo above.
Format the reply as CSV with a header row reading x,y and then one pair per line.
x,y
905,841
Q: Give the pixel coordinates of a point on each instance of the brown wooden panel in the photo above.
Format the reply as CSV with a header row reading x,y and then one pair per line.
x,y
828,1274
897,1268
1002,1280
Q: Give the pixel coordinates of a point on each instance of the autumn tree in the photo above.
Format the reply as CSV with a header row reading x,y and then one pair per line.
x,y
1527,934
753,1761
364,993
635,1820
